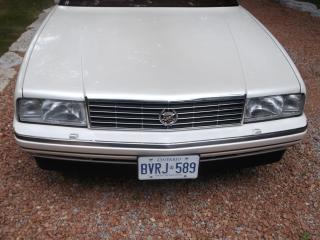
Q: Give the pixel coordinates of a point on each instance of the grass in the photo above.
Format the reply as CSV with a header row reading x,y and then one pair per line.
x,y
15,16
305,236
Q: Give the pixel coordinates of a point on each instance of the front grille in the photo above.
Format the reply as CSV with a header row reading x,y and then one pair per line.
x,y
146,115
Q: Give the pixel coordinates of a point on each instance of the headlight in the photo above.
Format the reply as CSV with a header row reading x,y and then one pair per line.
x,y
54,112
274,107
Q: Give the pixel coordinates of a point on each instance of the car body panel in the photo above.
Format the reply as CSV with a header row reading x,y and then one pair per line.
x,y
128,146
155,54
157,137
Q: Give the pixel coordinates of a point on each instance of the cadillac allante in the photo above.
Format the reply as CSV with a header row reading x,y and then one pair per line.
x,y
163,84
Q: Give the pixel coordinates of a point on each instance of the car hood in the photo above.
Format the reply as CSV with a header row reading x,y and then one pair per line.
x,y
155,54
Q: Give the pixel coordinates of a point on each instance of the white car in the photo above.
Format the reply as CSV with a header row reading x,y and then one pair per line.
x,y
165,85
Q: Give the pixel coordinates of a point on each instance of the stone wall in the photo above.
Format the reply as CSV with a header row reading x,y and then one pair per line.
x,y
302,6
13,58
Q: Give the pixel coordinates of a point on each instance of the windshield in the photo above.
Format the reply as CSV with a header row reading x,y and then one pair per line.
x,y
149,3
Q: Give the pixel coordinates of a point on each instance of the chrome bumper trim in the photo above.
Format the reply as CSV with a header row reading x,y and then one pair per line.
x,y
134,161
87,160
36,152
164,146
239,155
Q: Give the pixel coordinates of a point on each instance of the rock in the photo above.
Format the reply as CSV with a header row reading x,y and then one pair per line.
x,y
36,24
302,6
315,13
10,59
310,5
307,7
22,44
48,10
3,84
6,74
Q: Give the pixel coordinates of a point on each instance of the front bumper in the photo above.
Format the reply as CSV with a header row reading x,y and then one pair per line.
x,y
83,144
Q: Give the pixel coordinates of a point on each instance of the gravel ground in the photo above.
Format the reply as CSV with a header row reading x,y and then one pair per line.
x,y
279,201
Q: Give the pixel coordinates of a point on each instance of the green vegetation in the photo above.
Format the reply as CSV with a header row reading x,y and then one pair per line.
x,y
305,236
15,16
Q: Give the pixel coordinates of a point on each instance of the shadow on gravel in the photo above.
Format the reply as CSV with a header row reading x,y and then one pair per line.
x,y
97,181
242,167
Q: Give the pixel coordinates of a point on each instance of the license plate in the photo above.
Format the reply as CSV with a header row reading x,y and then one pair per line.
x,y
168,167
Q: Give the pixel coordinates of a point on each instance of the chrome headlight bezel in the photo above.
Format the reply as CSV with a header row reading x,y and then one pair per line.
x,y
273,107
52,112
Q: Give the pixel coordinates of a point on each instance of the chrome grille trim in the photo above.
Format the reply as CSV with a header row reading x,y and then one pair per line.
x,y
144,115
